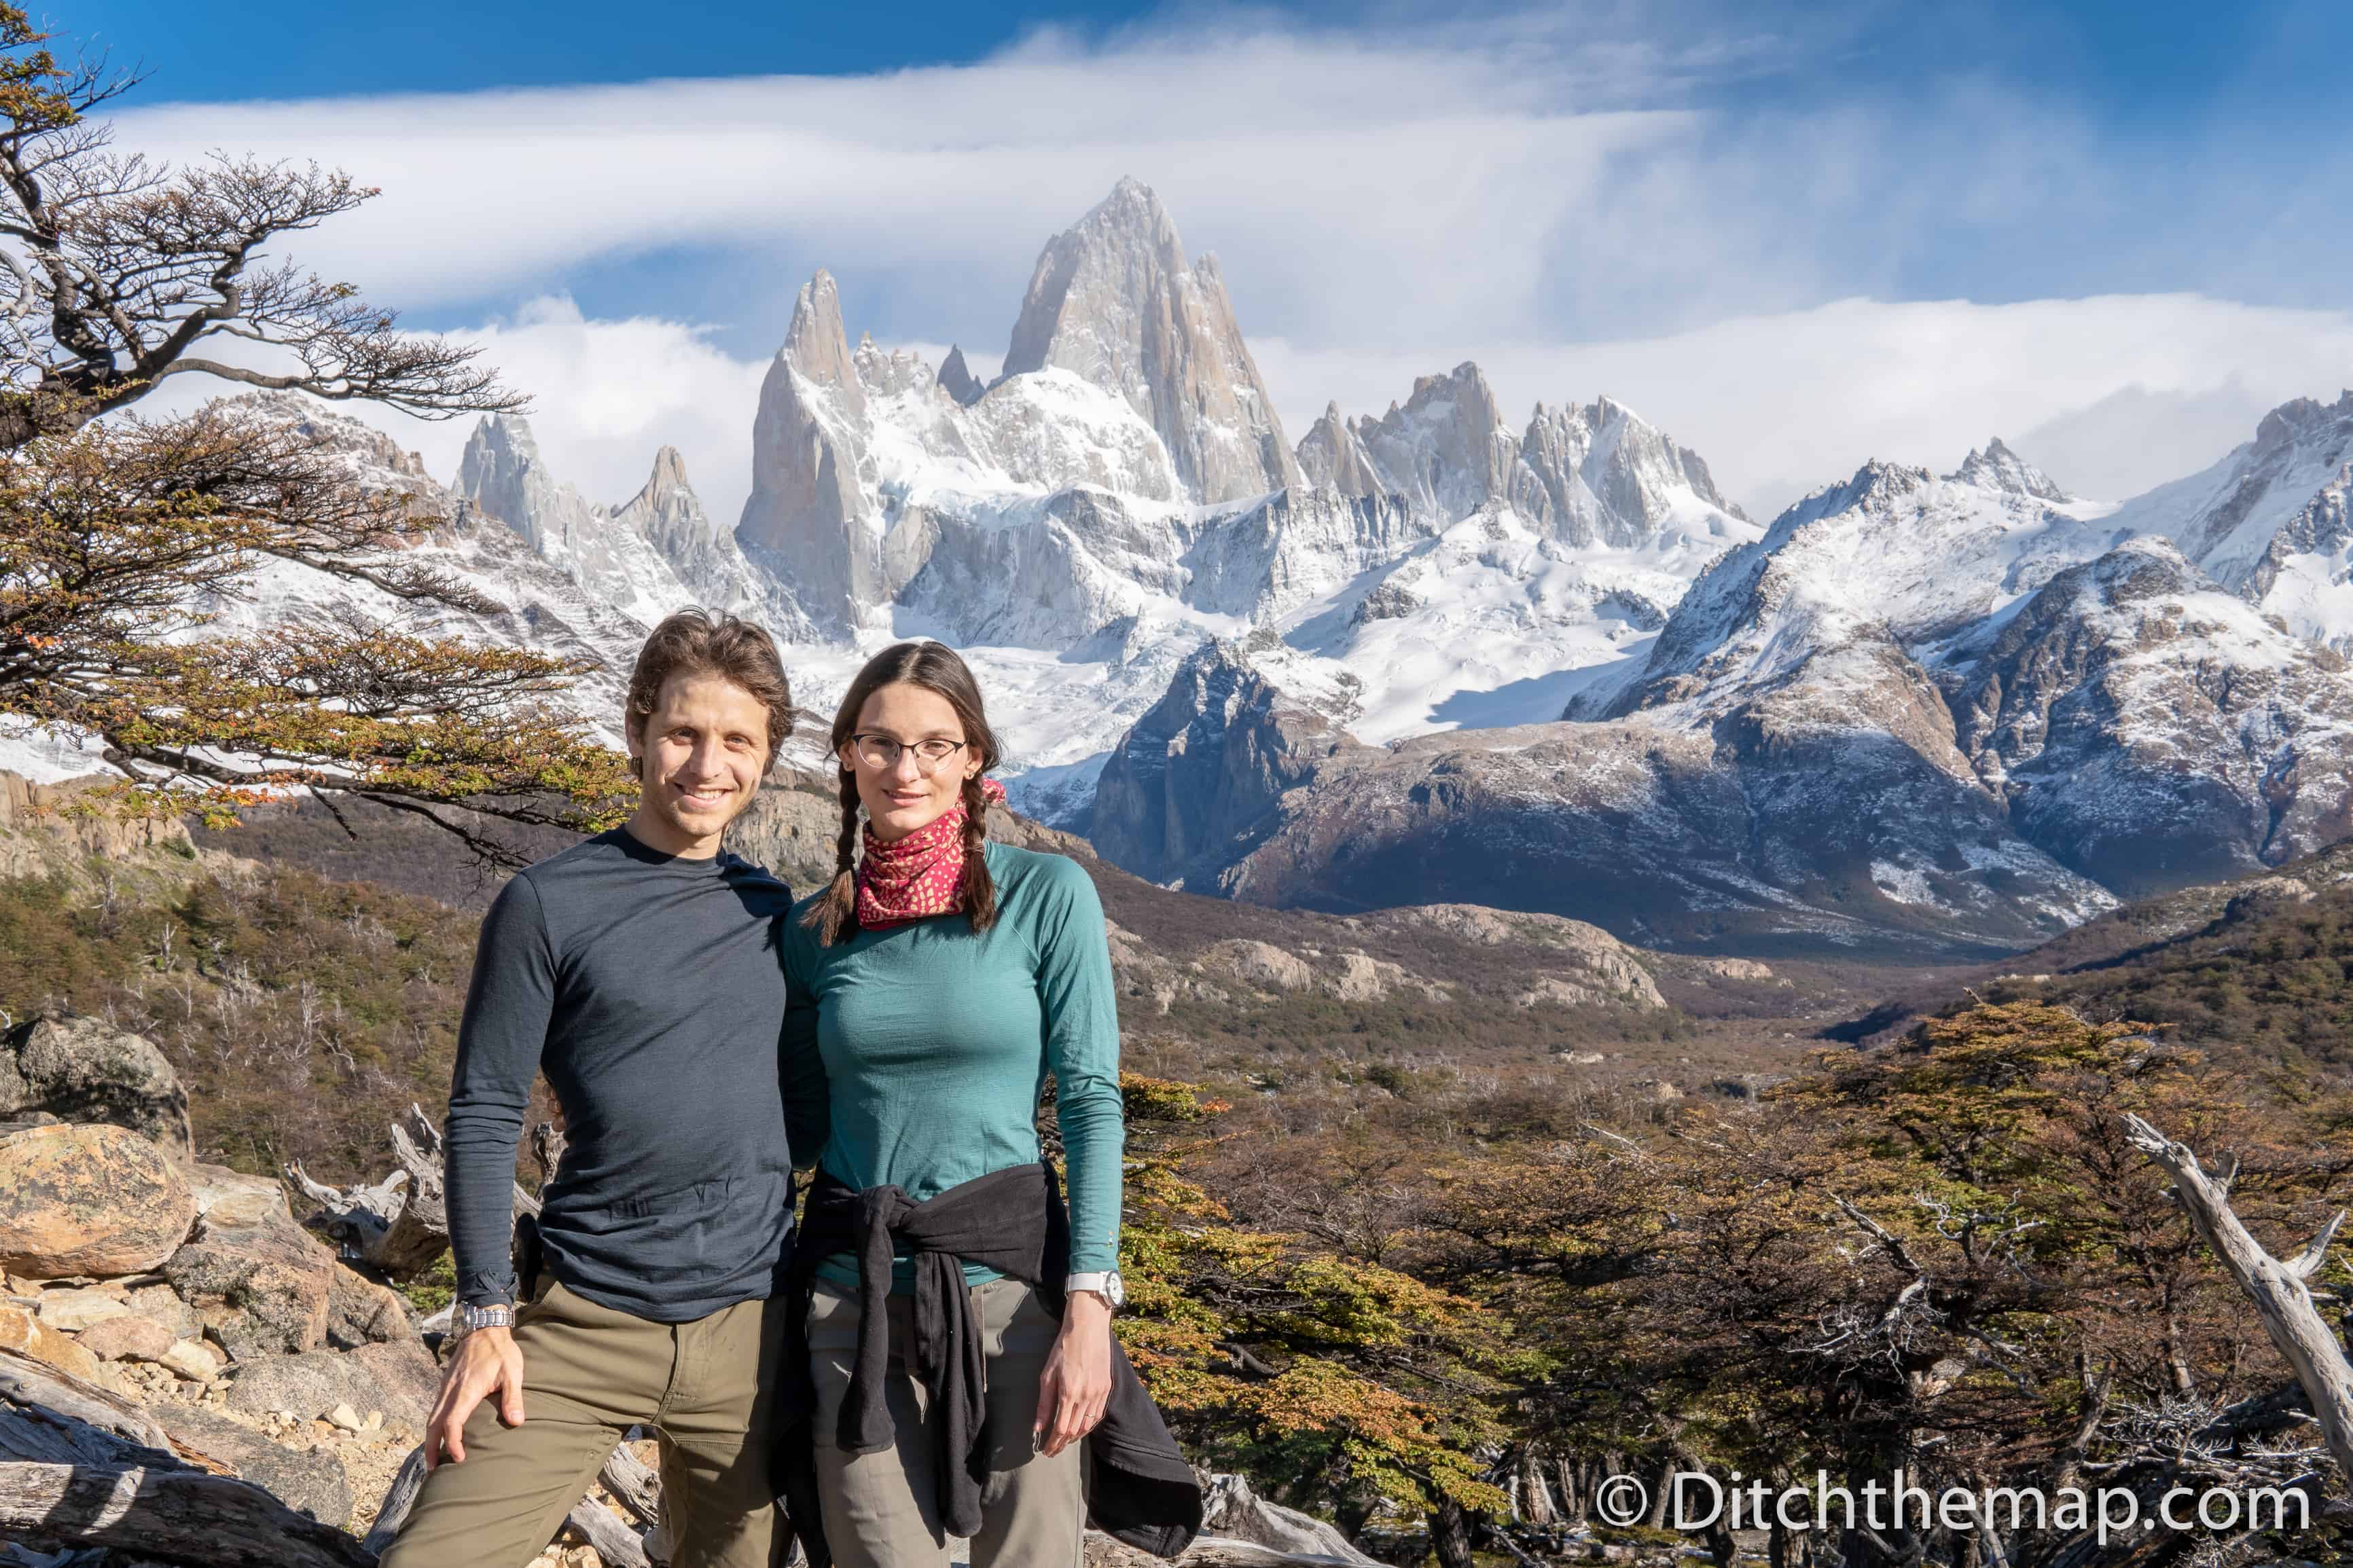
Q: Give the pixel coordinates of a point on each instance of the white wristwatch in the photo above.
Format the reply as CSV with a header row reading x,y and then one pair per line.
x,y
1104,1282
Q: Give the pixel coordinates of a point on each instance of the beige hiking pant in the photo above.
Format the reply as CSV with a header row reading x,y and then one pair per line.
x,y
882,1509
709,1390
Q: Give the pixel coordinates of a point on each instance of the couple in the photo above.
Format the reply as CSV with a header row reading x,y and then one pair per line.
x,y
932,1355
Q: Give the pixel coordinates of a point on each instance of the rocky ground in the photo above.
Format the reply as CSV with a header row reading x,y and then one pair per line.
x,y
164,1320
193,1292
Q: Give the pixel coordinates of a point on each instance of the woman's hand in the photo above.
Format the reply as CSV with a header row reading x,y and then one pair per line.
x,y
1077,1382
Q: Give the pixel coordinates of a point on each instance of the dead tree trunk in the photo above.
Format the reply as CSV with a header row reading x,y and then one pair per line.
x,y
1535,1496
615,1541
52,1416
631,1481
187,1516
398,1501
2278,1290
400,1225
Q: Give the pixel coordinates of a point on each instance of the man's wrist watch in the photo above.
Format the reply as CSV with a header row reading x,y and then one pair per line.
x,y
1104,1282
464,1320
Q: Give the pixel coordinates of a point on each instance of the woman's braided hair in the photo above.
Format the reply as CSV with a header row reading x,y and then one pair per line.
x,y
936,668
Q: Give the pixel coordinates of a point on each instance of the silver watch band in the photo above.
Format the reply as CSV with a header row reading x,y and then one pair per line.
x,y
492,1315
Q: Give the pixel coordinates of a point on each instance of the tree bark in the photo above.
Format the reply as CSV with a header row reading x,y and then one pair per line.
x,y
1450,1534
1535,1496
615,1541
51,1417
398,1498
188,1516
2278,1290
400,1225
633,1485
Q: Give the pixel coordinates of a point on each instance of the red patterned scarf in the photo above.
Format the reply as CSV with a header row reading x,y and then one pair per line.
x,y
920,876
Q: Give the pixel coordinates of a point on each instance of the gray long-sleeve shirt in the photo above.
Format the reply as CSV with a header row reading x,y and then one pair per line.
x,y
648,988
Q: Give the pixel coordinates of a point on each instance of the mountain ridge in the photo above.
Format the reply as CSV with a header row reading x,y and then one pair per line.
x,y
1271,670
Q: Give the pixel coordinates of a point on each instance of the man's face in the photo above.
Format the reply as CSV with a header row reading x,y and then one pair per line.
x,y
702,753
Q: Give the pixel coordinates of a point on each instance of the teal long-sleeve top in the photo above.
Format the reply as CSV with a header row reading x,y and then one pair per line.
x,y
936,1044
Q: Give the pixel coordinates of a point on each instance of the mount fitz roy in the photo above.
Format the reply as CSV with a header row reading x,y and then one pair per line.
x,y
1446,654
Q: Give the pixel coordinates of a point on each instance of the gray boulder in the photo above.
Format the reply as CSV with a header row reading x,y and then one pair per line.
x,y
259,1282
313,1482
216,1185
400,1380
85,1070
362,1312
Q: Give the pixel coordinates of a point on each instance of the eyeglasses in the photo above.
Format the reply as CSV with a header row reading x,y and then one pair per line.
x,y
881,752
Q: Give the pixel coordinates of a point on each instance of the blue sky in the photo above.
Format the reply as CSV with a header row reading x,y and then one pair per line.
x,y
2095,218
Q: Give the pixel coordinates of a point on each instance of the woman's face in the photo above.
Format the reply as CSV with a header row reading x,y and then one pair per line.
x,y
898,724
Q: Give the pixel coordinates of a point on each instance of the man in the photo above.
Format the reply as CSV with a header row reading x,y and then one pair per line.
x,y
639,971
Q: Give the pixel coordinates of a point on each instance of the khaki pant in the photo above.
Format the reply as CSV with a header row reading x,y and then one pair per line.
x,y
882,1509
707,1387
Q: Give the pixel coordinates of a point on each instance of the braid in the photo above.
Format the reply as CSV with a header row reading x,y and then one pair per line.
x,y
979,886
834,915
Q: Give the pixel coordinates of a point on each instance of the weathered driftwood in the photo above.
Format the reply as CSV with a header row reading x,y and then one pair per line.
x,y
2277,1289
629,1478
398,1498
633,1485
615,1541
1208,1551
1232,1510
184,1515
51,1416
400,1225
547,1142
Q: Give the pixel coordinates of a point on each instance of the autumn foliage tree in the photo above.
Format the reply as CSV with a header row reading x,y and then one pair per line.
x,y
1336,1384
1944,1256
122,539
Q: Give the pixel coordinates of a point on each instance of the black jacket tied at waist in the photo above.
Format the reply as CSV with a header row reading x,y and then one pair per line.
x,y
1138,1486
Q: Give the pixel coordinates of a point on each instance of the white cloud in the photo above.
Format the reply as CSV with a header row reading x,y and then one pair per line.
x,y
607,394
1427,190
1579,218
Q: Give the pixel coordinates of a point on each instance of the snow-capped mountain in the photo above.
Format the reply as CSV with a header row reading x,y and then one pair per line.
x,y
2149,729
1887,564
557,595
1119,495
2268,521
1952,711
1113,301
645,557
1442,653
1595,475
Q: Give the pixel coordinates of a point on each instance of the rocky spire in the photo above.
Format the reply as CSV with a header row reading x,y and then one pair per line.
x,y
1446,451
1332,457
503,475
665,513
807,519
817,346
1113,300
957,380
1999,468
1601,474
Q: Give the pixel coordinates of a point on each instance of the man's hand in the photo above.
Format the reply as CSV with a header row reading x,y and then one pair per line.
x,y
1076,1384
487,1361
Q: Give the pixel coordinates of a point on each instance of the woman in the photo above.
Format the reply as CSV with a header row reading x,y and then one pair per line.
x,y
958,1329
